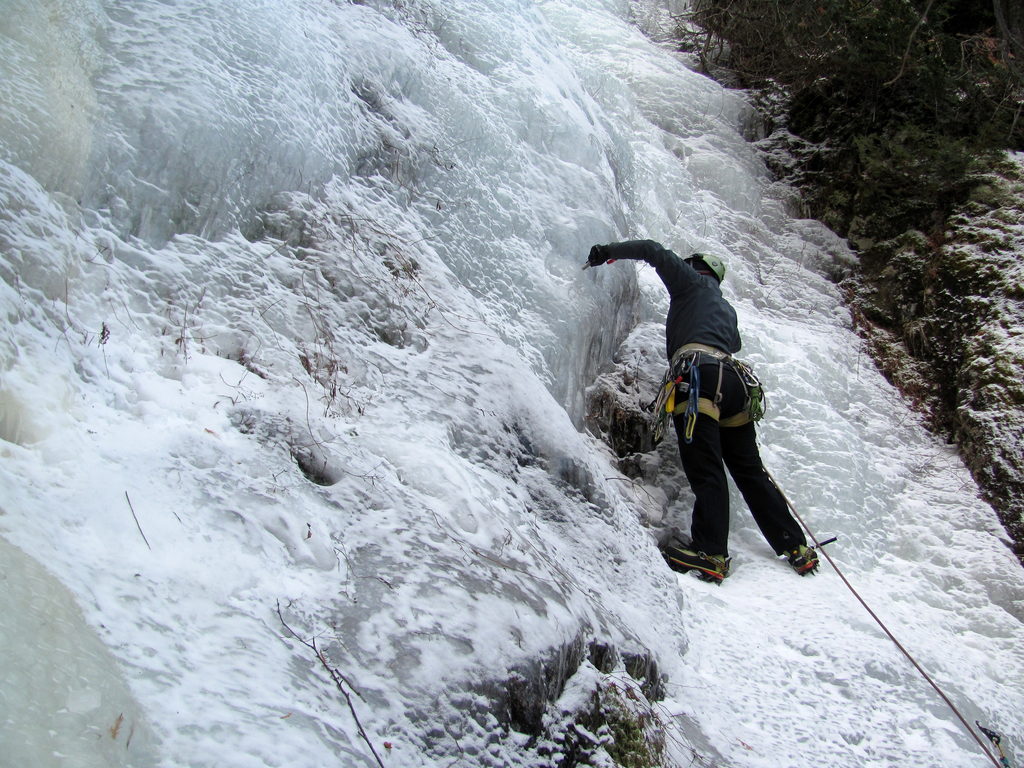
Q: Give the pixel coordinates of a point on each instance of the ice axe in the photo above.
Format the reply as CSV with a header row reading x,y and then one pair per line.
x,y
588,265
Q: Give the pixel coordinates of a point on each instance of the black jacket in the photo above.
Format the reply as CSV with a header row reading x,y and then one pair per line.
x,y
697,312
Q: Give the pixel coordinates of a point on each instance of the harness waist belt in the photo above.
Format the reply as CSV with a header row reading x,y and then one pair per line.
x,y
703,349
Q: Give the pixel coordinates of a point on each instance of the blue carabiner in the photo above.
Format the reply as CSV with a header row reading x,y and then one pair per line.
x,y
693,404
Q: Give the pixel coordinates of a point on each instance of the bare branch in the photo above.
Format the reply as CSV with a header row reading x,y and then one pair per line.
x,y
910,43
340,681
137,524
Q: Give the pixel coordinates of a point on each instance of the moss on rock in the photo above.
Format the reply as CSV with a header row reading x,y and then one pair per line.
x,y
944,319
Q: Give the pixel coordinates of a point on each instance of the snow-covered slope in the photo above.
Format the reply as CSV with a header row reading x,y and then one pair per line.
x,y
294,362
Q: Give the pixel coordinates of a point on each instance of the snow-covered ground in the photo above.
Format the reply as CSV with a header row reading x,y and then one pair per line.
x,y
294,359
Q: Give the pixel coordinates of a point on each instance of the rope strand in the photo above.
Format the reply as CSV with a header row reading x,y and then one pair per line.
x,y
885,629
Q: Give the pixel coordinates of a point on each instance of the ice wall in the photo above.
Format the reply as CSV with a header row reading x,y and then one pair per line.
x,y
308,275
63,699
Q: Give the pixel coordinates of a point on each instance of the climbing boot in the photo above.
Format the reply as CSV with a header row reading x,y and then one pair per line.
x,y
708,567
803,559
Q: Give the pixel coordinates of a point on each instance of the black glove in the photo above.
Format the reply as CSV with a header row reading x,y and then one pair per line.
x,y
598,255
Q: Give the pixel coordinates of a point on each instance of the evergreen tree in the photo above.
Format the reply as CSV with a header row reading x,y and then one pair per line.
x,y
898,97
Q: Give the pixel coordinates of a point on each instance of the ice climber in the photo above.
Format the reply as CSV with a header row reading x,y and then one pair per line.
x,y
716,429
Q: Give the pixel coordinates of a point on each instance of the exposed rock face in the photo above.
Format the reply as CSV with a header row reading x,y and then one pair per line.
x,y
619,403
587,703
945,323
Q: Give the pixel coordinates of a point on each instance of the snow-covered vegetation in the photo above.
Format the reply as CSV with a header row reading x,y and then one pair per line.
x,y
944,320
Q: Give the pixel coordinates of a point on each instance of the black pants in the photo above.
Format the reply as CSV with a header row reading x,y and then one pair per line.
x,y
705,459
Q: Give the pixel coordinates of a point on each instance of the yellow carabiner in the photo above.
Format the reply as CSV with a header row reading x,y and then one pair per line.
x,y
691,424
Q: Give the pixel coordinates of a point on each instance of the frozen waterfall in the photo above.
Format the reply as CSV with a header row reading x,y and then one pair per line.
x,y
294,466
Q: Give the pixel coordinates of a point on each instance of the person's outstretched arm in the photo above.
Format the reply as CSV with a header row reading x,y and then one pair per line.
x,y
673,271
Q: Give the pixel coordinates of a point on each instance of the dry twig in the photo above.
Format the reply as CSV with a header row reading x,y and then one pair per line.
x,y
340,681
137,524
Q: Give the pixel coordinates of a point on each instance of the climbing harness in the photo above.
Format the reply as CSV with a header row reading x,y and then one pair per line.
x,y
820,547
682,382
757,403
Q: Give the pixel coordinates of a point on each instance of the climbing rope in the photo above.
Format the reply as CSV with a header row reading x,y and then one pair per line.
x,y
885,629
